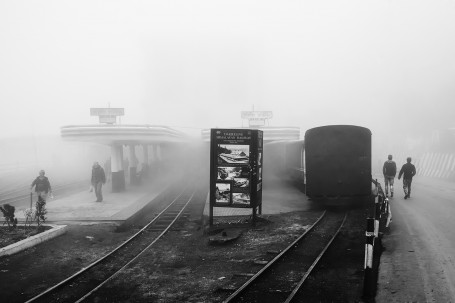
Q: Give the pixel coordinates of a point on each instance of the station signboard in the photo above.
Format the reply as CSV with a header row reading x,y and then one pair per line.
x,y
257,118
257,115
236,157
107,115
256,122
108,111
108,119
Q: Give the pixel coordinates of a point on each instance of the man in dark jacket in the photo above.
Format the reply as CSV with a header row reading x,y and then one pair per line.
x,y
408,171
98,179
42,186
390,171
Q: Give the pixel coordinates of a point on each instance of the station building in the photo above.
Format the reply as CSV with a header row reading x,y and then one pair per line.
x,y
144,143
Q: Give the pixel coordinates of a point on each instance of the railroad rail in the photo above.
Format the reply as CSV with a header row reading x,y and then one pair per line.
x,y
281,279
88,280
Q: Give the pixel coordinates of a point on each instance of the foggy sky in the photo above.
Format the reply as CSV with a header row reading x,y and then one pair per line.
x,y
385,65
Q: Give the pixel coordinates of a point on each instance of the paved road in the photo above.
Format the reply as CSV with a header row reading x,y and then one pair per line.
x,y
418,264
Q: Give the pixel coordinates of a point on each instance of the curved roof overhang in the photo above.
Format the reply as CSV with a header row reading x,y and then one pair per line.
x,y
122,134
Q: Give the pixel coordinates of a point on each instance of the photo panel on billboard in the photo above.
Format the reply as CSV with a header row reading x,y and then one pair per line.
x,y
241,185
233,154
223,193
241,199
260,158
228,172
241,182
260,173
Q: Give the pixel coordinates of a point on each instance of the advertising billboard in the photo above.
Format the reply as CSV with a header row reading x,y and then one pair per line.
x,y
236,168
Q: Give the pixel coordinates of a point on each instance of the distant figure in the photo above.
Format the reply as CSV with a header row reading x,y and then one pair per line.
x,y
98,179
390,171
42,186
408,171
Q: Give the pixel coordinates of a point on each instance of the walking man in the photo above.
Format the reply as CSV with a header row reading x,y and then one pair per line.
x,y
42,186
408,171
98,179
390,171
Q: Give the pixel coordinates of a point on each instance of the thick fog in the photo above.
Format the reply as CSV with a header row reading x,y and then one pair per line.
x,y
385,65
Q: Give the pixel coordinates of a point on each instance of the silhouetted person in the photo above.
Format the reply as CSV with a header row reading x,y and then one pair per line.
x,y
98,179
390,171
408,171
42,186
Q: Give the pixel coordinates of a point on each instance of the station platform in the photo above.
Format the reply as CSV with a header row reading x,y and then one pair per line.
x,y
81,206
277,198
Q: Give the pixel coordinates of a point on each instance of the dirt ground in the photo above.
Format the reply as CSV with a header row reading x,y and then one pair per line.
x,y
29,272
184,266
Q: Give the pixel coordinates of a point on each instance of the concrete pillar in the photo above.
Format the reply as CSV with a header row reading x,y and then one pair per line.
x,y
152,153
158,153
145,160
133,165
145,153
118,175
159,160
152,159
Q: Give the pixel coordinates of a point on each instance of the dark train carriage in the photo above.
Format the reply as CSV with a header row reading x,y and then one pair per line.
x,y
295,163
338,164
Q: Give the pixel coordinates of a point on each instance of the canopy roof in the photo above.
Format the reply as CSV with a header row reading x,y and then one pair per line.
x,y
122,134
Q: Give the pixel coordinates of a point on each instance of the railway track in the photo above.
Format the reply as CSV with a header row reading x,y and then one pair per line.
x,y
85,283
281,278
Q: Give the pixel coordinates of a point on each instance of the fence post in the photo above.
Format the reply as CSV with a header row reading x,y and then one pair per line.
x,y
377,216
368,282
389,214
